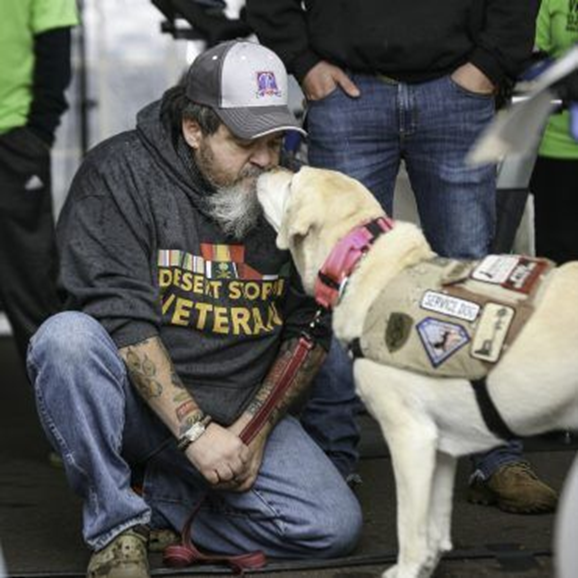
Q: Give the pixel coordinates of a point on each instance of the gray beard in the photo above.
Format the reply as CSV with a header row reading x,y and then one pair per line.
x,y
236,208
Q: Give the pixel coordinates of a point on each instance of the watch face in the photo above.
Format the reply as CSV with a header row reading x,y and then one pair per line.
x,y
195,432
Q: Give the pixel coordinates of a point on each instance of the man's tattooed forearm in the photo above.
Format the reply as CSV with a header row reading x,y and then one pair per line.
x,y
143,373
298,387
176,380
283,358
182,396
186,409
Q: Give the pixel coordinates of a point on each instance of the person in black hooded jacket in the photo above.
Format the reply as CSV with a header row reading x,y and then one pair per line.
x,y
415,81
182,316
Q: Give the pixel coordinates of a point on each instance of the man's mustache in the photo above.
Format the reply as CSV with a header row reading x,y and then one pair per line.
x,y
250,172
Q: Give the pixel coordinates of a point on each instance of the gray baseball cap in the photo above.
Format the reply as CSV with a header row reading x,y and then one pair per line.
x,y
246,85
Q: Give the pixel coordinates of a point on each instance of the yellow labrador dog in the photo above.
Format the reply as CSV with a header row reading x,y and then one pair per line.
x,y
508,324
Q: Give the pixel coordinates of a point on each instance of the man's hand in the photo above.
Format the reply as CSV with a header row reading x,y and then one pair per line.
x,y
324,78
247,474
471,78
220,456
246,478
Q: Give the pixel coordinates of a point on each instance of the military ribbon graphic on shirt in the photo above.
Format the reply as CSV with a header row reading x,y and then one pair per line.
x,y
218,291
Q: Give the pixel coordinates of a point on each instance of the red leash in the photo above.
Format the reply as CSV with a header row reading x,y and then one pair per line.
x,y
186,553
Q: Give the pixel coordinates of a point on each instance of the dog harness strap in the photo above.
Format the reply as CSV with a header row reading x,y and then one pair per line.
x,y
354,349
344,258
490,413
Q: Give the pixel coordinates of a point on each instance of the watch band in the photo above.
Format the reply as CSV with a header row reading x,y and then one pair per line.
x,y
194,432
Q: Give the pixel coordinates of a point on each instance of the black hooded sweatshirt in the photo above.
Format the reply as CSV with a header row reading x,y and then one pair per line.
x,y
409,40
141,254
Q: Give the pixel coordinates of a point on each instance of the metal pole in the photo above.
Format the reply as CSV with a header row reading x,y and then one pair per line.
x,y
84,102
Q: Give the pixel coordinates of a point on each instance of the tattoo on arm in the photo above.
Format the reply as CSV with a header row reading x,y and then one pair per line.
x,y
143,373
151,371
176,380
298,387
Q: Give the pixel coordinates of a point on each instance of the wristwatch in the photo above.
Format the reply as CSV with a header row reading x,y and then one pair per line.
x,y
194,432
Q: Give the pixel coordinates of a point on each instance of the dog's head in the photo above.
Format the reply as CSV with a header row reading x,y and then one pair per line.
x,y
311,211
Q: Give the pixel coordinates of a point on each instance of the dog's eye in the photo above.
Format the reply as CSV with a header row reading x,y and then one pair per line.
x,y
297,239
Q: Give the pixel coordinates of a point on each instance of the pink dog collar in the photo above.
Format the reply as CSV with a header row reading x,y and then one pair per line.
x,y
344,257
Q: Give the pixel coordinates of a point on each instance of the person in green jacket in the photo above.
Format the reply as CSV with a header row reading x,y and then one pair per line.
x,y
555,176
35,70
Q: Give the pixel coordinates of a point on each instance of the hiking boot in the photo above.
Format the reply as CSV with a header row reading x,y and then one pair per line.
x,y
515,488
124,557
161,539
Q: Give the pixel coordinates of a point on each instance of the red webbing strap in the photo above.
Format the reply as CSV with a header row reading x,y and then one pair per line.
x,y
304,346
186,553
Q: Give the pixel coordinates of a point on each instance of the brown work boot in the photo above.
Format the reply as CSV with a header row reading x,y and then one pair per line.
x,y
514,488
161,539
125,557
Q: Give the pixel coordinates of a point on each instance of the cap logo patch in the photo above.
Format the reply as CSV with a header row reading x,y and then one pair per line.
x,y
267,84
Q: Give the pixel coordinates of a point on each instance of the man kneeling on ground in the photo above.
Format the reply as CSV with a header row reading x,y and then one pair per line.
x,y
181,310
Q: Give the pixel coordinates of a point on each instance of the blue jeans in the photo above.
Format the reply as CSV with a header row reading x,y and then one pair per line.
x,y
299,507
431,126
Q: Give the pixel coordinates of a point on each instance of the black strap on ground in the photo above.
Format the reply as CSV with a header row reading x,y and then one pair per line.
x,y
513,557
490,413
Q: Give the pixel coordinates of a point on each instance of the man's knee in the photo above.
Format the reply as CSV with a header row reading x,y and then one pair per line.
x,y
66,334
68,341
334,530
343,529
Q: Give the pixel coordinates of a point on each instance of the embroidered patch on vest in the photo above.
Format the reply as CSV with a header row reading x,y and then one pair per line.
x,y
450,306
492,331
441,339
397,331
525,274
495,268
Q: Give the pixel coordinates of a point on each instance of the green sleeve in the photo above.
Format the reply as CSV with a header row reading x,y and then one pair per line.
x,y
51,14
543,37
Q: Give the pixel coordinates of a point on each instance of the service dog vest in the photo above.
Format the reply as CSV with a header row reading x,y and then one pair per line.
x,y
452,318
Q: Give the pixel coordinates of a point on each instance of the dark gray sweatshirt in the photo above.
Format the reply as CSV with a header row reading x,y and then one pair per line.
x,y
140,253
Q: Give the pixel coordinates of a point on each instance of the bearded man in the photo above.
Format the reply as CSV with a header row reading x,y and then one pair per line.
x,y
181,311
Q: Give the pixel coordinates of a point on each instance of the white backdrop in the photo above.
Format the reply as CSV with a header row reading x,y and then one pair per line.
x,y
129,63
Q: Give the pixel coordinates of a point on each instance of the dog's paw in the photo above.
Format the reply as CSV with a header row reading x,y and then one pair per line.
x,y
439,546
411,571
445,546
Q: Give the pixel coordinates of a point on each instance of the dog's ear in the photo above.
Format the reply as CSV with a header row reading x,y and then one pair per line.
x,y
295,224
274,202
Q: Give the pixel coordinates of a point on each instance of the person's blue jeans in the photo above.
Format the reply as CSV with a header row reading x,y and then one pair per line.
x,y
430,126
299,507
